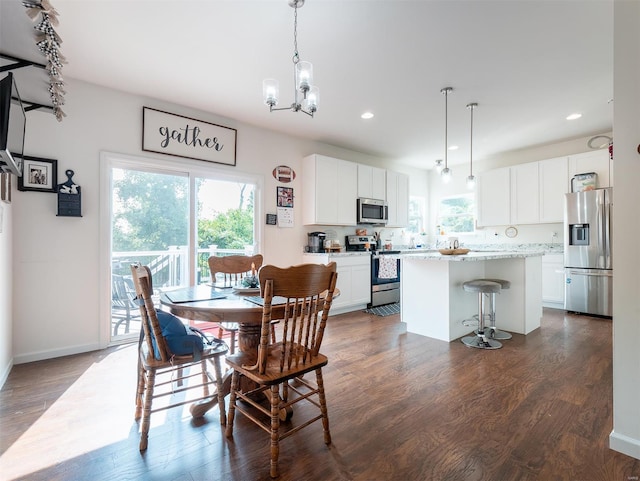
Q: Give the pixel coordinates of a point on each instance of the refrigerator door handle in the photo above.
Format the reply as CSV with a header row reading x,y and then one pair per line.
x,y
607,236
588,272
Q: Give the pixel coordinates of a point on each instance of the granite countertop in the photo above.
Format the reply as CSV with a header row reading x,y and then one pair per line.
x,y
471,256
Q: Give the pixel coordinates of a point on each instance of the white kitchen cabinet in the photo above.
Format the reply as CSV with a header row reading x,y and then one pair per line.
x,y
398,199
553,281
372,182
525,194
329,191
494,197
594,161
354,280
553,181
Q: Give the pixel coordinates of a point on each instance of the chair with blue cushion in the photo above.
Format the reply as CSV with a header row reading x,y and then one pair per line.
x,y
168,353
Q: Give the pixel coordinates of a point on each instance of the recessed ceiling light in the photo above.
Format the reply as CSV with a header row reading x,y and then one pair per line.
x,y
453,147
366,115
574,116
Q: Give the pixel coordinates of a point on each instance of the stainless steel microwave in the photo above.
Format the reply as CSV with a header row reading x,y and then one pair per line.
x,y
372,211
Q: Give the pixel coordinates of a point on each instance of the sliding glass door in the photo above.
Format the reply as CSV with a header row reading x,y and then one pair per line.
x,y
171,219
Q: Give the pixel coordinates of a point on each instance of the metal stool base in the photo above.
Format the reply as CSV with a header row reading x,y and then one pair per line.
x,y
498,334
480,342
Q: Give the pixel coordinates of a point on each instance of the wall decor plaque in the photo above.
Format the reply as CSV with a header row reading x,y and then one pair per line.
x,y
173,134
284,174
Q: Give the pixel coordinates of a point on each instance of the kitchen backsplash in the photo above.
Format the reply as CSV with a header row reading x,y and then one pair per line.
x,y
547,237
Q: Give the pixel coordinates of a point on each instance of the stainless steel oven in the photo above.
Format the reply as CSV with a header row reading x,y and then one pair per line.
x,y
385,278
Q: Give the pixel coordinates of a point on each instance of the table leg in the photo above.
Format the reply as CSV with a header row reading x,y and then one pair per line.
x,y
248,341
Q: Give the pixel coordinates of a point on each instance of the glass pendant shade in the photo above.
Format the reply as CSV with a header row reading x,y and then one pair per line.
x,y
439,166
304,76
471,182
313,97
270,92
446,175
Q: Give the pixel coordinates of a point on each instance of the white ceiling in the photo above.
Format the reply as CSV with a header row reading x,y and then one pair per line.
x,y
527,63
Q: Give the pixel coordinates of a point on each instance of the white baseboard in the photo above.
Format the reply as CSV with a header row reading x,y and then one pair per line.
x,y
42,355
5,373
624,444
553,305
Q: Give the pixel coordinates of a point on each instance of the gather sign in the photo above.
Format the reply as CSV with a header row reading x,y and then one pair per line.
x,y
173,134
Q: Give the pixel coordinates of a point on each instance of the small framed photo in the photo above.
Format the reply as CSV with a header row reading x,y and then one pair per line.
x,y
38,175
285,197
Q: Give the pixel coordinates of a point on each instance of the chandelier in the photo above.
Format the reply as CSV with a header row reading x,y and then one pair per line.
x,y
302,78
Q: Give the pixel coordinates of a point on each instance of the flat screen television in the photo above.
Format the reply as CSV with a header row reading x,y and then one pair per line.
x,y
13,123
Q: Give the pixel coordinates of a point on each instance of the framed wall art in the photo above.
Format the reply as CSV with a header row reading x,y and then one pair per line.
x,y
38,174
5,187
172,134
285,196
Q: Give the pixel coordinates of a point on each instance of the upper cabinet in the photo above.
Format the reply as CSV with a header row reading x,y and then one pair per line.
x,y
552,178
594,161
397,199
525,194
530,193
329,191
494,197
371,182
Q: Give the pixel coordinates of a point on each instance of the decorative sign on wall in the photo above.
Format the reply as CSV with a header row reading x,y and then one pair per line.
x,y
284,174
173,134
69,197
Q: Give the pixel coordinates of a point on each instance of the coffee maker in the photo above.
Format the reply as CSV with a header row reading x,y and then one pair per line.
x,y
315,243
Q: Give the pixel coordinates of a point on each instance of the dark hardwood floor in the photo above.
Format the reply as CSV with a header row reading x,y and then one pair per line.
x,y
401,407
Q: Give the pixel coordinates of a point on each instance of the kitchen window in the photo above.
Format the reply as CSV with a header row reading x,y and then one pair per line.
x,y
456,214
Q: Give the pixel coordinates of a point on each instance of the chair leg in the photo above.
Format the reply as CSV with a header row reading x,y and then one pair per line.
x,y
323,407
146,415
205,377
235,377
218,371
232,347
275,426
139,391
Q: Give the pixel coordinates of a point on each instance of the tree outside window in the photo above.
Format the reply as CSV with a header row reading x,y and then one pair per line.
x,y
456,214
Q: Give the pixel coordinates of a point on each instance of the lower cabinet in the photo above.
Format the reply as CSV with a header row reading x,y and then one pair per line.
x,y
553,281
354,280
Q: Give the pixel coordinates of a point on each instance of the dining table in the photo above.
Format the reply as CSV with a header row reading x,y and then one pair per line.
x,y
235,306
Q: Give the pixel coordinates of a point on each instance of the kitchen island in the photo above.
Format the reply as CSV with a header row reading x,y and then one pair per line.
x,y
434,303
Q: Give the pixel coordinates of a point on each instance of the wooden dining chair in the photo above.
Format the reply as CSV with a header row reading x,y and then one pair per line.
x,y
233,268
307,290
170,374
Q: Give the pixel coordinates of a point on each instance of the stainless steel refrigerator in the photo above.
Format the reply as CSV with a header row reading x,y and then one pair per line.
x,y
588,254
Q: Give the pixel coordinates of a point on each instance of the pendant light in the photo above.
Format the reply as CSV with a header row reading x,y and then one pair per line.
x,y
446,172
471,180
302,76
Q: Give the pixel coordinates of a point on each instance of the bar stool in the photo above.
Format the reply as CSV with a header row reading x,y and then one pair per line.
x,y
495,333
481,287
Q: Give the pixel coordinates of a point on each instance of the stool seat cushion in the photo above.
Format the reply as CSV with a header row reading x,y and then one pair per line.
x,y
481,285
503,283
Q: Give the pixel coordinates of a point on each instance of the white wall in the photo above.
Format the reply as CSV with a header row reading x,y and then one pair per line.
x,y
6,285
625,436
